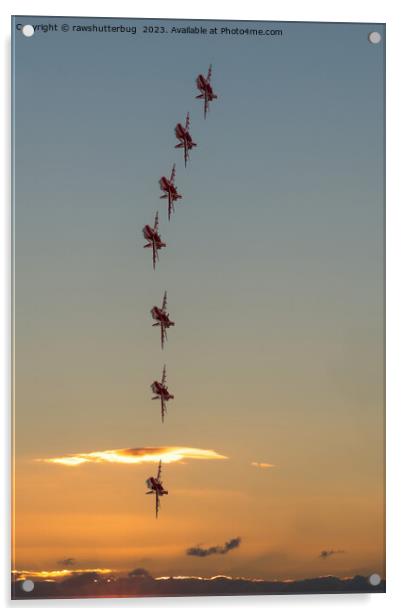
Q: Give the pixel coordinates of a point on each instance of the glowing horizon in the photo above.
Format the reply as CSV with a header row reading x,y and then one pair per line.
x,y
22,574
55,573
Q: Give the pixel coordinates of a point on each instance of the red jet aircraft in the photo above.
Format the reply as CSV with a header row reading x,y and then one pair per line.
x,y
204,86
155,486
170,190
162,319
185,140
162,393
151,234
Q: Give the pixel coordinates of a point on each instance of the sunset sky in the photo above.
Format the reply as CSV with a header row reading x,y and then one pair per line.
x,y
274,272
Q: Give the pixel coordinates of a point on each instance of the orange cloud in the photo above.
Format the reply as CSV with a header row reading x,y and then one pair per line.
x,y
263,465
137,456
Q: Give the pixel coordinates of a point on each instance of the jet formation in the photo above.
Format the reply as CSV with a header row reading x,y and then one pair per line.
x,y
154,241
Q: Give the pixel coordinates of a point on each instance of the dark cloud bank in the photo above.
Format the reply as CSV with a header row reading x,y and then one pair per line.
x,y
215,549
140,583
328,553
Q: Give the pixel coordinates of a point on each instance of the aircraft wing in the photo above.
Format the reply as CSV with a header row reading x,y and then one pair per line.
x,y
159,475
187,121
156,223
178,131
156,503
164,375
164,305
173,174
